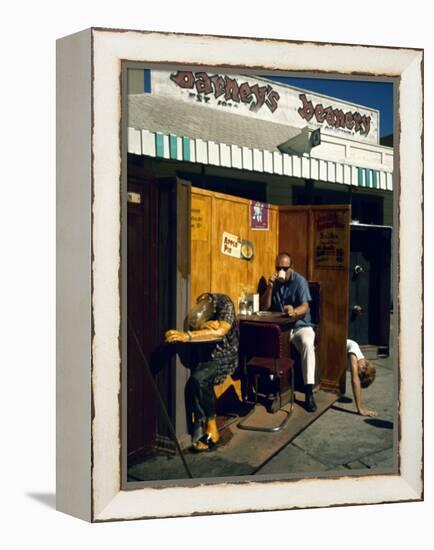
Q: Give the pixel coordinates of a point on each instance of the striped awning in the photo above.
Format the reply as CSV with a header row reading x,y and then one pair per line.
x,y
172,147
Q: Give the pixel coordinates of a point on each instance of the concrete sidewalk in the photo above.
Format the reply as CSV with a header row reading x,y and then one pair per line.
x,y
241,452
335,439
341,440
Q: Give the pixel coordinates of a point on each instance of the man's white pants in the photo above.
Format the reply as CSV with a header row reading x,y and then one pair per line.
x,y
304,341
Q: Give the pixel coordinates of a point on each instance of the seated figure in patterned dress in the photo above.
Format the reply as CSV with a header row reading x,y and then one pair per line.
x,y
212,323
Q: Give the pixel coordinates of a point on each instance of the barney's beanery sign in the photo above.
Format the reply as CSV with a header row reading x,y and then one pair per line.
x,y
265,99
227,88
335,118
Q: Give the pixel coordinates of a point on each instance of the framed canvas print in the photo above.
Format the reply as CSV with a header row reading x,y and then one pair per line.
x,y
239,302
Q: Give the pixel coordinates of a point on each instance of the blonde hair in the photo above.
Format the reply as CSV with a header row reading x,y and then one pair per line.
x,y
367,376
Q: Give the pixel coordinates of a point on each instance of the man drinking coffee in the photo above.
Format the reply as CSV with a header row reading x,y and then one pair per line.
x,y
288,291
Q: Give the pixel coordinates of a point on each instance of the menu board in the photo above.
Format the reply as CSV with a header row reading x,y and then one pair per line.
x,y
199,219
330,250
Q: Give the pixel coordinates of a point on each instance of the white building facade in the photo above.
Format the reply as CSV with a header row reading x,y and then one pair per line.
x,y
242,123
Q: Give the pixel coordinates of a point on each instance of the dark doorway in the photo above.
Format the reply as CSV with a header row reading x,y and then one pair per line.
x,y
365,208
247,189
370,289
141,307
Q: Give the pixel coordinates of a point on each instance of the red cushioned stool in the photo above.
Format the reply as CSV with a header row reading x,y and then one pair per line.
x,y
264,362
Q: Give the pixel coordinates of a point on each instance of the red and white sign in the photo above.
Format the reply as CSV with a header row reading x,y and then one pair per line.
x,y
231,245
268,100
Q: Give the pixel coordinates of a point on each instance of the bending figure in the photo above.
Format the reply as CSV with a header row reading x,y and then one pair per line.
x,y
212,356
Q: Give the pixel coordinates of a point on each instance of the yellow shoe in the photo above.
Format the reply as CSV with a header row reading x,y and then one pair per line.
x,y
212,430
204,444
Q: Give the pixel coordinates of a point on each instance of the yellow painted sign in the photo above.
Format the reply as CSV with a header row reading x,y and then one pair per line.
x,y
199,219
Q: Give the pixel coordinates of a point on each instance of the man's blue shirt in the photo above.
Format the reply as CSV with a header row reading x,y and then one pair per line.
x,y
292,292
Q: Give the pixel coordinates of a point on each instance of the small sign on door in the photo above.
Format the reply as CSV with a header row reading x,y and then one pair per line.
x,y
231,245
134,198
259,215
199,219
330,241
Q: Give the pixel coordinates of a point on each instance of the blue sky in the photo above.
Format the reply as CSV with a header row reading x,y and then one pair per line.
x,y
378,95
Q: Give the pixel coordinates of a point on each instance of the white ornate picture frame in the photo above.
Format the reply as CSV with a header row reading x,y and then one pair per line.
x,y
89,297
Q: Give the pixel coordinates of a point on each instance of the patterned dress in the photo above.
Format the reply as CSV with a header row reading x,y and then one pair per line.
x,y
225,353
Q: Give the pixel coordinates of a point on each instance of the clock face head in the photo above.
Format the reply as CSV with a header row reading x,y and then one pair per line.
x,y
247,250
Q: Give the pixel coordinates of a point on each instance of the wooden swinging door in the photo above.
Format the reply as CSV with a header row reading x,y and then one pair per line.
x,y
317,238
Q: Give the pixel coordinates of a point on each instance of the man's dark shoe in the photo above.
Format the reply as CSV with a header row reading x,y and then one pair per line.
x,y
198,432
310,404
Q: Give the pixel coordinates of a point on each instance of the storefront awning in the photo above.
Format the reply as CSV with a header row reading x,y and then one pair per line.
x,y
183,148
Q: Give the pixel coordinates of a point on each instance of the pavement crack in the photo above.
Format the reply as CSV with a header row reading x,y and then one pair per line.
x,y
363,457
313,457
349,467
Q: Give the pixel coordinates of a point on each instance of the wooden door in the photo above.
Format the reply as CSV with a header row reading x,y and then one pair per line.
x,y
158,265
212,215
173,297
317,237
141,308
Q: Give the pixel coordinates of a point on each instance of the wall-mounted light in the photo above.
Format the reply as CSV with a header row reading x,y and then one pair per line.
x,y
302,143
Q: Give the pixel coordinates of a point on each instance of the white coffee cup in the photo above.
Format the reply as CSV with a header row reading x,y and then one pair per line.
x,y
281,276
